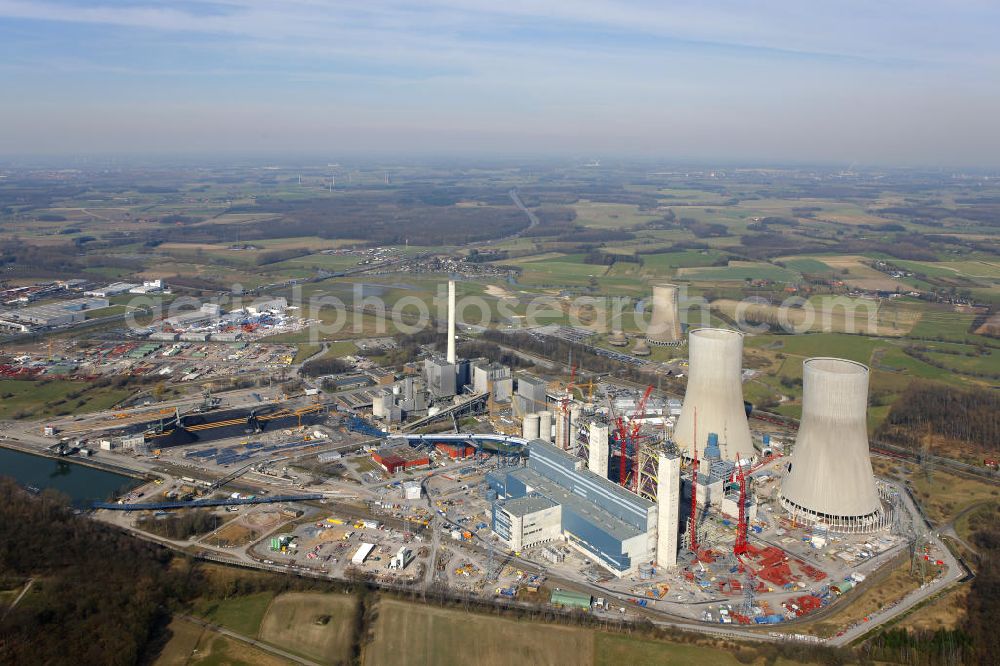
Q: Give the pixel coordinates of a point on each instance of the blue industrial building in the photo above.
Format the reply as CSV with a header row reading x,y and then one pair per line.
x,y
610,524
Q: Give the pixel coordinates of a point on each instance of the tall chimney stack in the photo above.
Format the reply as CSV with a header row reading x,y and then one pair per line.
x,y
451,321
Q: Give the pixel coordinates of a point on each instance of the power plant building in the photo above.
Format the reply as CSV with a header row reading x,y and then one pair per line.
x,y
493,378
714,396
441,377
829,479
606,522
527,521
531,393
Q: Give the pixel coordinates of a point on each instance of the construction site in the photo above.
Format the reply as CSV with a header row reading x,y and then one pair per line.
x,y
465,474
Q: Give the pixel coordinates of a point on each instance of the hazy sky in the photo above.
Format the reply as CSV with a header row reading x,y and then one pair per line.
x,y
866,81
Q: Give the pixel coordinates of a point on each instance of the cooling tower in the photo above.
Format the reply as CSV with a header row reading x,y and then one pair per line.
x,y
617,338
529,427
640,348
665,326
545,425
830,476
598,449
715,392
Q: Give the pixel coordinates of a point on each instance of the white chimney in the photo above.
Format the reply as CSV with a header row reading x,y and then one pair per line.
x,y
451,321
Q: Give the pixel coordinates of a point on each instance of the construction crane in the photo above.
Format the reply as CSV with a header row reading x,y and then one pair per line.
x,y
564,411
628,433
694,489
740,546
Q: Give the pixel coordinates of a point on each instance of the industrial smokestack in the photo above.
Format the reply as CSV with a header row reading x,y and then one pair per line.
x,y
665,326
668,503
451,322
598,449
715,393
830,477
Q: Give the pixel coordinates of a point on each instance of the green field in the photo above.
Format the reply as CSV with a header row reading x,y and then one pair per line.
x,y
53,397
667,262
840,345
807,265
241,614
740,271
602,215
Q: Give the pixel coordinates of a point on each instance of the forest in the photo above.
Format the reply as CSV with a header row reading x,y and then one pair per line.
x,y
97,595
969,417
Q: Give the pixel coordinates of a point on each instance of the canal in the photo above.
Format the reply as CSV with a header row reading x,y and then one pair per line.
x,y
81,483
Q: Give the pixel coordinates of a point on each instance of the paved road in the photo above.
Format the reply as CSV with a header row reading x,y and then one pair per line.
x,y
532,218
955,572
27,587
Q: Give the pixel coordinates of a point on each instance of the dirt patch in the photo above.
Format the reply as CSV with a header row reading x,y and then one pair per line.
x,y
990,327
497,291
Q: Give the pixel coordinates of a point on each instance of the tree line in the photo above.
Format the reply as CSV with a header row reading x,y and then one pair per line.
x,y
968,416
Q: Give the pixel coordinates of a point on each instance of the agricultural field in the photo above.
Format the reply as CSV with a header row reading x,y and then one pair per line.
x,y
408,634
667,263
316,625
739,271
610,216
415,634
241,614
191,644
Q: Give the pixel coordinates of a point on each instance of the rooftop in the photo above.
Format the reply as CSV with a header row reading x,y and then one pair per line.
x,y
523,506
614,526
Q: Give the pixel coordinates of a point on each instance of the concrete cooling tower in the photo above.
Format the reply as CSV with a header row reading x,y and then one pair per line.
x,y
830,476
715,394
665,326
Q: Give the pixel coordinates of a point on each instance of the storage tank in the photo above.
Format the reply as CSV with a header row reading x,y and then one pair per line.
x,y
830,477
545,425
530,427
665,325
715,393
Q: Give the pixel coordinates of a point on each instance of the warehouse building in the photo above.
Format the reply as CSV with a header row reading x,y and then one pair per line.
x,y
395,458
61,313
606,522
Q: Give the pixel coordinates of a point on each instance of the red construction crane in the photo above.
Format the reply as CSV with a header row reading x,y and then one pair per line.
x,y
740,547
628,432
694,489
